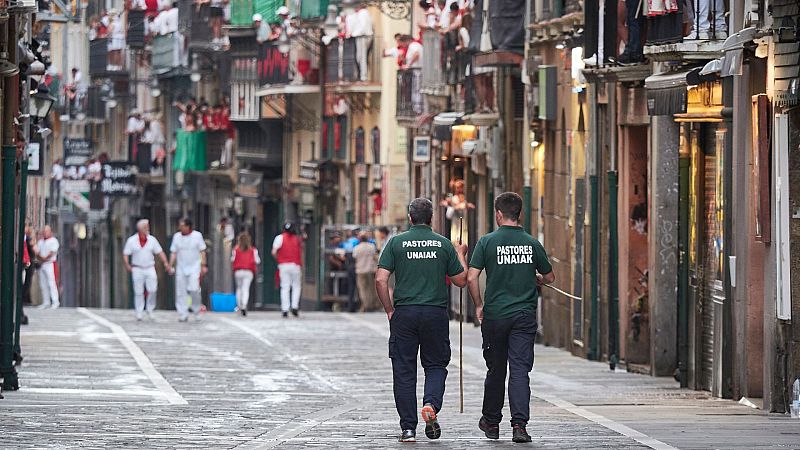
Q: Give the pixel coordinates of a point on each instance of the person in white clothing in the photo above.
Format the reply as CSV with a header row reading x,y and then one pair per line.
x,y
188,261
48,254
287,249
245,261
359,27
139,259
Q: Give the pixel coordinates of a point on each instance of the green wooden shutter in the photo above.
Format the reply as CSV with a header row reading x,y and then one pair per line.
x,y
310,9
267,9
242,12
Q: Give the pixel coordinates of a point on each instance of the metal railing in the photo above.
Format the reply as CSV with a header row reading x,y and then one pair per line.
x,y
107,57
353,60
167,53
410,102
666,25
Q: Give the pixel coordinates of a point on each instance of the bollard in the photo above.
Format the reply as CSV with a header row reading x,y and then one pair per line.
x,y
23,194
7,370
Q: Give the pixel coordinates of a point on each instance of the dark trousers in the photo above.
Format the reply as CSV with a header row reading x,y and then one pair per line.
x,y
508,343
424,330
634,21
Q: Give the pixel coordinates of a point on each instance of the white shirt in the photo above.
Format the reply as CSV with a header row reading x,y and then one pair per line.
x,y
187,248
47,246
168,21
360,23
58,172
135,125
277,243
142,257
414,48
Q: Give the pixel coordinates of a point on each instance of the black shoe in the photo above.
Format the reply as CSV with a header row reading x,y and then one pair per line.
x,y
244,312
630,59
295,312
520,434
492,431
285,314
432,428
24,320
408,436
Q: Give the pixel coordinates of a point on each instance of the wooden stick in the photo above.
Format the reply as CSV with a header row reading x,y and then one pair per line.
x,y
461,325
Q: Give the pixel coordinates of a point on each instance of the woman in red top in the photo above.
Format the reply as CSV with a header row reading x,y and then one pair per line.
x,y
245,259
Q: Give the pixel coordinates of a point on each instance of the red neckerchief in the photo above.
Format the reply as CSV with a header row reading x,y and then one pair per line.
x,y
142,240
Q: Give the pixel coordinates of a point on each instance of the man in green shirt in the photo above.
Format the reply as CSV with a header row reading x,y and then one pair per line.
x,y
516,265
419,323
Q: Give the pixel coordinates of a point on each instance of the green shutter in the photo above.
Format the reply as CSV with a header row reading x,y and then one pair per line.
x,y
242,12
267,9
311,9
190,151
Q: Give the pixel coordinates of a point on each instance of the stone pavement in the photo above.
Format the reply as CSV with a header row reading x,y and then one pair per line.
x,y
99,379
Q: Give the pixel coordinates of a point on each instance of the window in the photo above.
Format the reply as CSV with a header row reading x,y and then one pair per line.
x,y
360,145
375,143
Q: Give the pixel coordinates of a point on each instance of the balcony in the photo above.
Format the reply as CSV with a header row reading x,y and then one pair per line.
x,y
167,53
245,105
410,102
260,143
343,72
668,41
135,32
204,26
106,59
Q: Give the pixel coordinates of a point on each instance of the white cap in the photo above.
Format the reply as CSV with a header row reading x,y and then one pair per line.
x,y
257,17
283,11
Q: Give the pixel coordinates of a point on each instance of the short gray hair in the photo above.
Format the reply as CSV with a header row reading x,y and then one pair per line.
x,y
421,211
141,223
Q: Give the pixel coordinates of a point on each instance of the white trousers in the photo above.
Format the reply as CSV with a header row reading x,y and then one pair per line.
x,y
187,285
144,278
291,283
362,56
704,8
48,286
243,279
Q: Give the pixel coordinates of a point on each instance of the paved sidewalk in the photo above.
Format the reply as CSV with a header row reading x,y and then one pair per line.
x,y
99,379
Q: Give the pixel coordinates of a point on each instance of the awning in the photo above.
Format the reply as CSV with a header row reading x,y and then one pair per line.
x,y
288,89
442,124
666,93
423,119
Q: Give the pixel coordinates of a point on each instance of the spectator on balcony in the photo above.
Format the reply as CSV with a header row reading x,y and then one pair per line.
x,y
413,52
167,21
263,30
431,17
134,130
398,51
453,20
703,28
286,20
359,26
76,89
463,32
634,21
116,31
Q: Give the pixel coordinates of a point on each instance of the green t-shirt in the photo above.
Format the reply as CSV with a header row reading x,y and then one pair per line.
x,y
420,260
511,258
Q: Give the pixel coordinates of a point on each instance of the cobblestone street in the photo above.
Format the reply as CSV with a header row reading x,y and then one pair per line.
x,y
99,379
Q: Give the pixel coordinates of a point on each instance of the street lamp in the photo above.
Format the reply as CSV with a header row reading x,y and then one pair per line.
x,y
41,102
155,91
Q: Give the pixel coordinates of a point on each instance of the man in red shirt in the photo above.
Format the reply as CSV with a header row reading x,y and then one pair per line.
x,y
287,249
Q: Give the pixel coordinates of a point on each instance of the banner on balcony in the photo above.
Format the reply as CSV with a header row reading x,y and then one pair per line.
x,y
190,151
119,179
273,66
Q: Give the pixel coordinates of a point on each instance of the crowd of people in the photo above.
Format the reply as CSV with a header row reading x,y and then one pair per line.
x,y
200,116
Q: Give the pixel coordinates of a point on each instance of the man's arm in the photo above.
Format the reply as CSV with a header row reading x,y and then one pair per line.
x,y
172,257
203,264
547,278
382,287
127,263
475,291
163,257
460,280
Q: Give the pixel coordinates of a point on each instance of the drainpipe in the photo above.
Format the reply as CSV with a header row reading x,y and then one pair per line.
x,y
23,194
594,233
9,161
527,190
683,272
613,248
